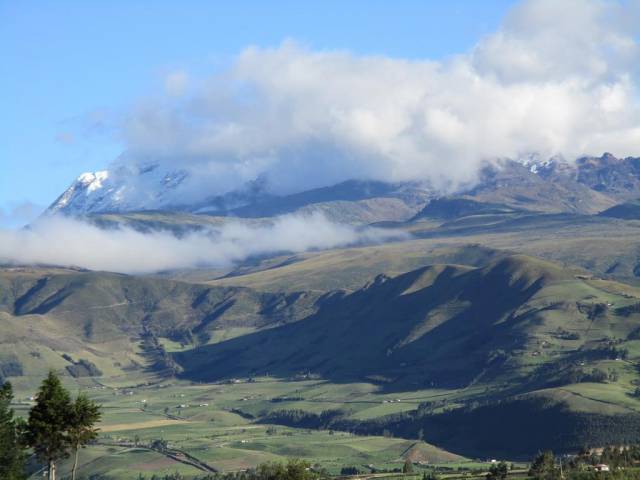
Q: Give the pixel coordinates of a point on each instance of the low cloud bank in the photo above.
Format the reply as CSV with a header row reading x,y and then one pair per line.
x,y
68,242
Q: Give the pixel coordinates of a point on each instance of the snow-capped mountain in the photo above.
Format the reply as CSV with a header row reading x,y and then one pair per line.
x,y
152,187
125,188
588,185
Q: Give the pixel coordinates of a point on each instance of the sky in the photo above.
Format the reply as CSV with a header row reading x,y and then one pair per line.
x,y
71,67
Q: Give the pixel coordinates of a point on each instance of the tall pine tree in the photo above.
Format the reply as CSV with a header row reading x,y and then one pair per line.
x,y
49,421
12,453
85,413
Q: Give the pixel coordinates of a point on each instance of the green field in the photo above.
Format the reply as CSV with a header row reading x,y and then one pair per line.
x,y
197,419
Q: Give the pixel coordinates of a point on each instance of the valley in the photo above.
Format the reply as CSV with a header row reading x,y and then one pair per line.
x,y
208,428
486,327
412,358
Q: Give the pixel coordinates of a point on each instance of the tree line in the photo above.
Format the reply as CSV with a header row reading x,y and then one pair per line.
x,y
294,469
57,427
546,466
506,428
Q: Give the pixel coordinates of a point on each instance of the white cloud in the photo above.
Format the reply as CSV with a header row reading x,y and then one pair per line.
x,y
548,40
556,78
19,214
67,242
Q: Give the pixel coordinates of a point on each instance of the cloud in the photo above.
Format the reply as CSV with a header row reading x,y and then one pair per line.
x,y
547,40
67,242
557,78
16,215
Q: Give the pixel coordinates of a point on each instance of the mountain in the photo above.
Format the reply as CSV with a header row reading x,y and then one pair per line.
x,y
618,178
152,187
552,186
589,185
353,201
125,188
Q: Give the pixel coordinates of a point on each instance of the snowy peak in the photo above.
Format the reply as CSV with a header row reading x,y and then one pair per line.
x,y
125,188
93,181
78,196
588,185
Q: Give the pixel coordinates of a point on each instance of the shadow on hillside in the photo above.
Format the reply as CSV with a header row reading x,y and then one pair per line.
x,y
435,327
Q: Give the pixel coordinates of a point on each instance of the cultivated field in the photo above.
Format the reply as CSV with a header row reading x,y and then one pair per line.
x,y
198,420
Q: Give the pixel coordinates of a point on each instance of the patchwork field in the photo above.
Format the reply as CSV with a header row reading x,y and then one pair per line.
x,y
211,424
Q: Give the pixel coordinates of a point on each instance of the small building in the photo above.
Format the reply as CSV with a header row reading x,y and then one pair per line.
x,y
601,467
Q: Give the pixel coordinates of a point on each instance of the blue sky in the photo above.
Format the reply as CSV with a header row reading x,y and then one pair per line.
x,y
67,63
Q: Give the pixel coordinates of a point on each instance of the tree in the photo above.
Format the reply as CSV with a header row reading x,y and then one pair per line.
x,y
159,444
407,467
498,471
47,428
349,471
85,413
12,453
293,470
544,467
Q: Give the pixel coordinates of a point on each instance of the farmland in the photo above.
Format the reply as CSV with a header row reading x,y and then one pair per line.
x,y
211,423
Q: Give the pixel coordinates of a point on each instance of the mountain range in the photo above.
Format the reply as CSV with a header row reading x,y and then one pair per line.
x,y
589,185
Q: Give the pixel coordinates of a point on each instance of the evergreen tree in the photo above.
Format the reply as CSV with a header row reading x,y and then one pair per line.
x,y
49,421
498,471
85,413
544,467
407,467
12,453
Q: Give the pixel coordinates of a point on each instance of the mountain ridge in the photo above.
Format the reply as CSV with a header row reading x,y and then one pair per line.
x,y
588,185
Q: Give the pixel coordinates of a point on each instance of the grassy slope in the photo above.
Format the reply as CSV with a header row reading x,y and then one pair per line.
x,y
47,314
351,268
44,323
604,246
436,325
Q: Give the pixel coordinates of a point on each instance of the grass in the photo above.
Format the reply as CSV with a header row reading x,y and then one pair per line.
x,y
208,430
603,246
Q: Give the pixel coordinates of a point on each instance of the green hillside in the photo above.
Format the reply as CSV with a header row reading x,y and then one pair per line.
x,y
515,338
512,321
124,325
445,349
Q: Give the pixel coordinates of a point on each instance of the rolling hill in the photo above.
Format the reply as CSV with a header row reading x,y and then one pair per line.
x,y
516,340
442,325
627,210
54,317
486,328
